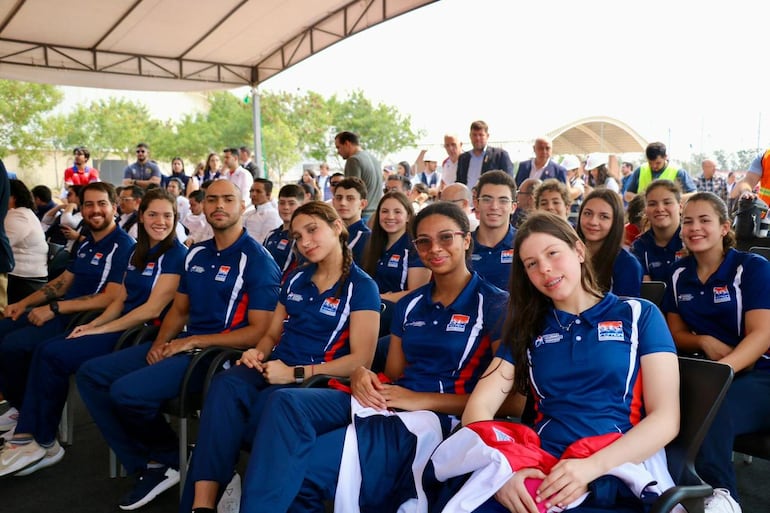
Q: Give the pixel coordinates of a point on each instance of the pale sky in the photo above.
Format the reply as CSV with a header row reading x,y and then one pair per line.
x,y
689,73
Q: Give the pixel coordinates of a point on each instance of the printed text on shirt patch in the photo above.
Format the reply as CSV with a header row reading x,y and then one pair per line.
x,y
611,330
222,273
329,306
96,258
721,295
148,270
394,260
506,257
458,323
548,338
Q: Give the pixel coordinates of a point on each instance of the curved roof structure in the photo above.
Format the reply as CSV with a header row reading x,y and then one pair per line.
x,y
593,134
175,45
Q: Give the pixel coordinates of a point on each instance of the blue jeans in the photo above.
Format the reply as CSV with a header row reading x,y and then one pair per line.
x,y
125,396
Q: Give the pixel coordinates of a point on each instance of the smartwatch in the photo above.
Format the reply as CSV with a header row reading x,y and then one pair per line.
x,y
54,306
299,374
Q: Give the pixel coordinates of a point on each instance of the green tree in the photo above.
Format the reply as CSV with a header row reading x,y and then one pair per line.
x,y
280,136
23,107
382,128
106,127
744,158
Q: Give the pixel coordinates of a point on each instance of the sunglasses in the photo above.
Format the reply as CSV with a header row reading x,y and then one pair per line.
x,y
444,239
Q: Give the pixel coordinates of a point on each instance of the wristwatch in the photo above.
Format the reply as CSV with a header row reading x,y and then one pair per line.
x,y
299,374
54,306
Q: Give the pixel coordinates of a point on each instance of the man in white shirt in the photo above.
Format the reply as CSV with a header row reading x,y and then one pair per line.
x,y
262,217
236,174
130,198
454,147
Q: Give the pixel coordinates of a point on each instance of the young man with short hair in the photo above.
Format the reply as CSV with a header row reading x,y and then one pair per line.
x,y
261,217
493,239
279,242
350,201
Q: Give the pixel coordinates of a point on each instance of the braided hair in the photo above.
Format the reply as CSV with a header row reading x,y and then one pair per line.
x,y
326,213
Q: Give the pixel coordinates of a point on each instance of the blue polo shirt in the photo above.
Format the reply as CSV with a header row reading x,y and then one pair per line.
x,y
223,285
627,275
393,266
140,282
718,307
447,348
137,171
657,261
358,234
280,244
585,369
494,264
97,263
317,328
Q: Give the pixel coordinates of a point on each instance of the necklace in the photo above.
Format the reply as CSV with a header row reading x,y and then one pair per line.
x,y
563,327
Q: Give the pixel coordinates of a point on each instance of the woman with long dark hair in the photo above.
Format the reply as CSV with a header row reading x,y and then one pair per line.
x,y
718,304
600,227
149,284
660,246
582,353
27,239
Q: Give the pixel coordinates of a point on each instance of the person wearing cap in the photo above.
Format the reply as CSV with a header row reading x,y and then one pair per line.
x,y
430,176
657,167
598,174
575,184
541,167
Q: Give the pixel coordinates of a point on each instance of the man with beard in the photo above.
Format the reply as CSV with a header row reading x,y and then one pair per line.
x,y
91,281
143,172
226,297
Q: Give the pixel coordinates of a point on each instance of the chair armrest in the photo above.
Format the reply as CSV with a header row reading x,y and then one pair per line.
x,y
226,354
322,381
691,497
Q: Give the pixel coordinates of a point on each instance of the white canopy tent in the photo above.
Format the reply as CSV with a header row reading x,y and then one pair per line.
x,y
176,45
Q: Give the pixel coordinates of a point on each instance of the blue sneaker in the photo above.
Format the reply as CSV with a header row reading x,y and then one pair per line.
x,y
151,483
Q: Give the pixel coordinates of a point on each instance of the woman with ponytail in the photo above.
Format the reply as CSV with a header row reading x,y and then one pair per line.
x,y
326,321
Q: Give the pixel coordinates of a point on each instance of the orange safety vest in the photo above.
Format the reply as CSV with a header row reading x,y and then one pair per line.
x,y
764,181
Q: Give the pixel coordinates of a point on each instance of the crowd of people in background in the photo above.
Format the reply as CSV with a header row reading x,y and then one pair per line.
x,y
439,294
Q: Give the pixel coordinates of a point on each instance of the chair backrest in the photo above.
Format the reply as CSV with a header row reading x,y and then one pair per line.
x,y
653,291
760,250
703,385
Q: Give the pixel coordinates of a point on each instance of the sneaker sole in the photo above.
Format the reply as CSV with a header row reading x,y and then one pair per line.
x,y
162,487
9,471
43,463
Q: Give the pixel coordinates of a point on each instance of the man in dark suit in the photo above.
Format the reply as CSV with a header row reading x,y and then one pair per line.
x,y
541,167
482,158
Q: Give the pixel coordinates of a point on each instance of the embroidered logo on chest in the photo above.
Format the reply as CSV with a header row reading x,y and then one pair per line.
x,y
721,295
506,257
610,330
394,260
458,322
96,258
548,338
149,269
294,297
329,306
222,273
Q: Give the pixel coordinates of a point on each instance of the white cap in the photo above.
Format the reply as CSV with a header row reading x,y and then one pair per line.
x,y
570,162
595,160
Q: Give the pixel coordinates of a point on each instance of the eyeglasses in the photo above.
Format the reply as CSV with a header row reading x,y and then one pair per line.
x,y
488,200
335,184
455,200
78,153
445,239
128,198
141,151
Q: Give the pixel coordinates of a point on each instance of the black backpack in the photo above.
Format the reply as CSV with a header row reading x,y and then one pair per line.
x,y
747,222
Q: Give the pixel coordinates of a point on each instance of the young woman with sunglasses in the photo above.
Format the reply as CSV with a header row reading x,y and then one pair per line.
x,y
443,335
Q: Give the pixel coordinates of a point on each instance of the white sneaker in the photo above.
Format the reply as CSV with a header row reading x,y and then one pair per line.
x,y
53,455
231,498
18,457
9,419
721,502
